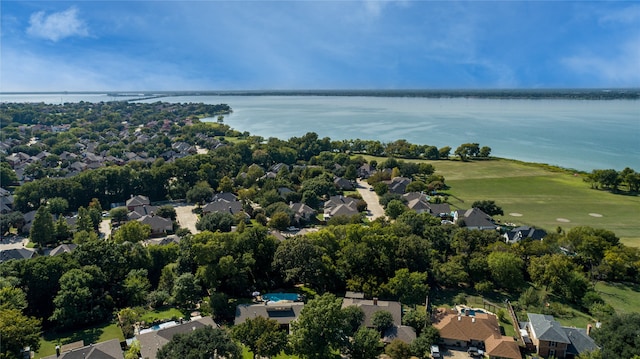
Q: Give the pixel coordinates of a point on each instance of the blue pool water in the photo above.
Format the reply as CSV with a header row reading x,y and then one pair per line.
x,y
276,297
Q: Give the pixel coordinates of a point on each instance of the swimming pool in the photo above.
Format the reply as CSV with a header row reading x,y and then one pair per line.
x,y
276,297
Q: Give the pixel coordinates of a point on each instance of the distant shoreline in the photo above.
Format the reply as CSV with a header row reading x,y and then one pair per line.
x,y
567,94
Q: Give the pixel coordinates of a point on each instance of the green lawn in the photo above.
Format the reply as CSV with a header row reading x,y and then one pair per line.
x,y
541,195
91,335
246,354
163,314
625,298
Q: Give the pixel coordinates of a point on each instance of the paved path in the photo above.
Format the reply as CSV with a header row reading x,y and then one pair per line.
x,y
186,218
11,242
105,227
373,203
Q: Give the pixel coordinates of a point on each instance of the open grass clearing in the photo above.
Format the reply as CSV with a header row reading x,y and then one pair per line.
x,y
95,334
162,314
539,195
625,298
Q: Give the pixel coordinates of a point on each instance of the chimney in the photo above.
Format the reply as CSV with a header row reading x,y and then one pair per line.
x,y
375,300
589,327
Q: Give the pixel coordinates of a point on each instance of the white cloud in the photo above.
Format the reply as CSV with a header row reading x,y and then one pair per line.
x,y
621,68
58,25
627,15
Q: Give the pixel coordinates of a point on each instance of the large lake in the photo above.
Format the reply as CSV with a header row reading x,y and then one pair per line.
x,y
580,134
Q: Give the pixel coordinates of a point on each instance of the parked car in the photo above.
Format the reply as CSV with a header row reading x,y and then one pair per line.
x,y
435,351
475,352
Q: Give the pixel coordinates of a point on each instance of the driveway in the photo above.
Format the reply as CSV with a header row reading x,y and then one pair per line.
x,y
186,218
373,204
11,242
105,227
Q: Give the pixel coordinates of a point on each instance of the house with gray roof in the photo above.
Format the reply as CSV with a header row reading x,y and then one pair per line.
x,y
517,234
553,340
224,206
547,335
159,225
16,253
370,307
137,201
398,185
343,184
340,206
105,350
63,248
152,340
475,218
283,313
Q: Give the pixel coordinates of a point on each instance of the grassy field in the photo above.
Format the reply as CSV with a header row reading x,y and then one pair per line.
x,y
539,195
624,298
165,314
96,334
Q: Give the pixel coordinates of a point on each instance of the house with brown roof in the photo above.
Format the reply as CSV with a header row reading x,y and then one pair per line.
x,y
475,218
159,225
302,212
340,206
480,330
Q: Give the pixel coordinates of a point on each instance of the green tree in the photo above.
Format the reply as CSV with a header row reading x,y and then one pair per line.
x,y
225,184
395,208
365,344
279,220
217,221
409,287
354,317
81,298
119,214
186,290
618,337
398,349
42,229
382,320
262,336
318,332
132,231
489,207
17,331
127,318
200,193
421,346
58,205
506,269
415,318
84,223
12,298
63,232
136,287
167,211
201,343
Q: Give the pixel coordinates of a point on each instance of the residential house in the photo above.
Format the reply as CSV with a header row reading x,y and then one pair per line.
x,y
480,330
63,248
159,225
224,206
370,307
137,201
343,184
340,206
553,340
365,171
398,185
283,313
302,212
475,218
419,202
163,241
227,196
141,211
16,253
517,234
152,340
105,350
6,201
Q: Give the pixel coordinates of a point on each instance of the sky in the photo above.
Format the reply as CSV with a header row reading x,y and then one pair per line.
x,y
268,45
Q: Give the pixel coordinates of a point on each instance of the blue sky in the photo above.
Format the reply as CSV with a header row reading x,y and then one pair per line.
x,y
383,44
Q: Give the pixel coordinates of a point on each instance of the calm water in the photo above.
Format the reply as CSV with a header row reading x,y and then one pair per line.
x,y
581,134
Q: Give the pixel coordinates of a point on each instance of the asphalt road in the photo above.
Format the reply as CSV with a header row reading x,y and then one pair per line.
x,y
186,218
373,204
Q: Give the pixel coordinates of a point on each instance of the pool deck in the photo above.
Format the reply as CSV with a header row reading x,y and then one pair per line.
x,y
461,308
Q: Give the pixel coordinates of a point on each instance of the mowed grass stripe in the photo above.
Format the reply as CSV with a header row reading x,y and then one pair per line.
x,y
543,199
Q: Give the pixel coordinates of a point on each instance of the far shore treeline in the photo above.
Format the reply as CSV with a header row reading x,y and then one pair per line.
x,y
65,165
